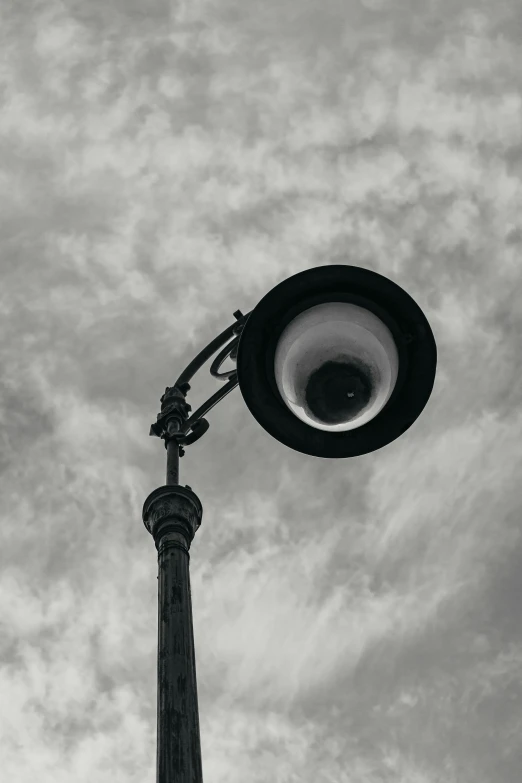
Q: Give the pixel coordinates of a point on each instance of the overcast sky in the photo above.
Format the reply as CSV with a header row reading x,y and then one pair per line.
x,y
356,620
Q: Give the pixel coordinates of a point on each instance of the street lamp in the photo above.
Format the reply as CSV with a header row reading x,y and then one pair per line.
x,y
336,361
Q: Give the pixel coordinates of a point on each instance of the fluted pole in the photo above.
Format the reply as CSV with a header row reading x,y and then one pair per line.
x,y
172,514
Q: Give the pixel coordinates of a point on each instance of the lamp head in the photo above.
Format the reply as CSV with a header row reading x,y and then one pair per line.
x,y
336,361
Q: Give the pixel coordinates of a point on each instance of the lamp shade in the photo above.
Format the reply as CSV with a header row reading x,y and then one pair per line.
x,y
336,361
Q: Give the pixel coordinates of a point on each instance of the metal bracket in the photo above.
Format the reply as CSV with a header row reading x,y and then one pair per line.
x,y
173,422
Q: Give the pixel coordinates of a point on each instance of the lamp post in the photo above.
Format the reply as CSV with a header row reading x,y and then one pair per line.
x,y
334,362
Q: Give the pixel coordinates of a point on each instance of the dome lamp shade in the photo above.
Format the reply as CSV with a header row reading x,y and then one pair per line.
x,y
336,361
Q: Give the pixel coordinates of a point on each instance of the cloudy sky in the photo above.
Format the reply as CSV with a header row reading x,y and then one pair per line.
x,y
162,165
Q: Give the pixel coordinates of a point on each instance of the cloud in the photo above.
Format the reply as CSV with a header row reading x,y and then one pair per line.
x,y
355,620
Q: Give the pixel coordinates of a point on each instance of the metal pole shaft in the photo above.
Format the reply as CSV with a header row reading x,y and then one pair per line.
x,y
172,514
172,462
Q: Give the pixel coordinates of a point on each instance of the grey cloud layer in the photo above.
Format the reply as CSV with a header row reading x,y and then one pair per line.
x,y
160,169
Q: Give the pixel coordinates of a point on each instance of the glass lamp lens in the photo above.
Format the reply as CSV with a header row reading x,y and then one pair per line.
x,y
336,365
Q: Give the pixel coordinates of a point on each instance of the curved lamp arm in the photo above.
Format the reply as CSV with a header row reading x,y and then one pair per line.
x,y
173,422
